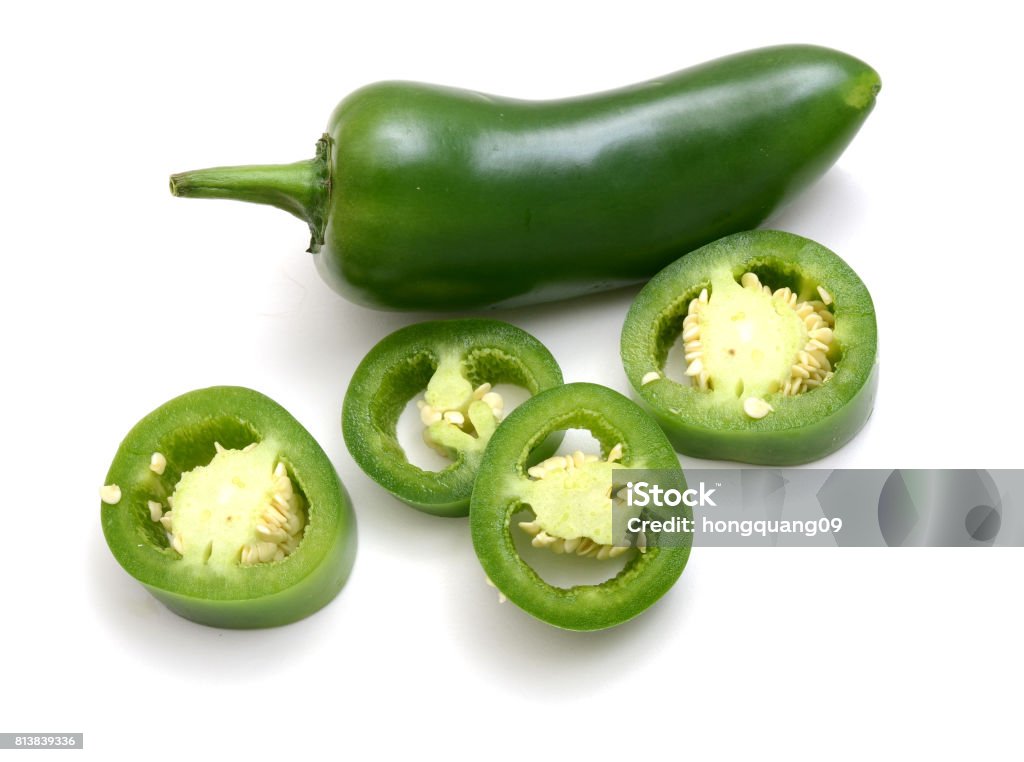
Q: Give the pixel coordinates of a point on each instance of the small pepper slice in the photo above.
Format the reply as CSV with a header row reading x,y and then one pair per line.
x,y
572,506
780,345
227,510
456,362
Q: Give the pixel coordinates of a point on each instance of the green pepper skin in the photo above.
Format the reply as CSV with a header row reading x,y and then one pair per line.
x,y
802,428
612,419
399,367
263,595
434,198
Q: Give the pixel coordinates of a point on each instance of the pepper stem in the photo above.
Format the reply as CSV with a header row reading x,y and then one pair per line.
x,y
302,189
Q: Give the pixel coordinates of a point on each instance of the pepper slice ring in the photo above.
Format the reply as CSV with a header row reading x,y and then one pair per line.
x,y
780,341
227,510
625,431
456,362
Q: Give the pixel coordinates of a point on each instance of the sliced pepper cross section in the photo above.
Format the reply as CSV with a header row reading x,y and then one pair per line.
x,y
226,509
571,499
780,349
455,364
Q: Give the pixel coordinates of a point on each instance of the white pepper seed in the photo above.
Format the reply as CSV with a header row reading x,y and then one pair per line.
x,y
542,539
110,494
157,463
823,335
530,527
494,401
756,408
501,595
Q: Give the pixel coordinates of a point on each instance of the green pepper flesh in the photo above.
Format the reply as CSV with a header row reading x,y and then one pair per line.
x,y
435,198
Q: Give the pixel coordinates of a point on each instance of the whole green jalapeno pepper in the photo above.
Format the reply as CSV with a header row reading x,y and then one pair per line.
x,y
569,501
779,343
455,363
225,508
434,198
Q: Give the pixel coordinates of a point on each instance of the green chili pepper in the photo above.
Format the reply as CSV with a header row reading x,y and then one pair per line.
x,y
224,507
780,347
570,498
456,362
427,197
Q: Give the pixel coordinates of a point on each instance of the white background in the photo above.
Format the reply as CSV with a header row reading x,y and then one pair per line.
x,y
117,297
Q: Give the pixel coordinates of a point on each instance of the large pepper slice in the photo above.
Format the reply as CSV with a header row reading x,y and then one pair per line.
x,y
226,509
435,198
456,362
780,346
572,505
